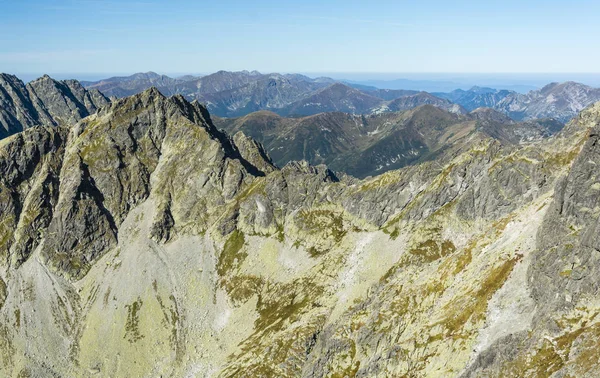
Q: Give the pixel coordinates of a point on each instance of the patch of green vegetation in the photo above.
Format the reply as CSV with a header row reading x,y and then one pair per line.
x,y
285,304
348,372
314,252
231,257
563,158
3,293
280,234
587,346
132,326
511,161
242,288
24,373
279,306
395,233
383,180
444,174
323,221
388,275
552,355
17,318
500,225
257,187
326,226
566,273
95,153
6,233
473,305
431,250
7,349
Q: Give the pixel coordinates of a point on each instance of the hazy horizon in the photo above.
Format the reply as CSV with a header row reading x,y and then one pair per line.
x,y
312,36
427,81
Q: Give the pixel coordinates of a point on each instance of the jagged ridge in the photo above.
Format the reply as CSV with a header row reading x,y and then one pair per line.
x,y
169,248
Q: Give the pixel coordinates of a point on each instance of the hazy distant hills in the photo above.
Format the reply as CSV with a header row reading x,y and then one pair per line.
x,y
562,101
274,92
421,98
235,94
364,145
387,94
556,100
476,97
336,97
123,86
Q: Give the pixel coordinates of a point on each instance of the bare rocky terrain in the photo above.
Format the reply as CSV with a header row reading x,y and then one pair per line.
x,y
143,241
44,101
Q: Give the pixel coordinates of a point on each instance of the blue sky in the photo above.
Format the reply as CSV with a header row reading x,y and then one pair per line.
x,y
181,36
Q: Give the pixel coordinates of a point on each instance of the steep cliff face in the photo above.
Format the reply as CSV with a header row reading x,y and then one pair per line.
x,y
44,101
142,241
563,338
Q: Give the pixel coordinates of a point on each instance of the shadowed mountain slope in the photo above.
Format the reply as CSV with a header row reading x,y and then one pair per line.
x,y
368,145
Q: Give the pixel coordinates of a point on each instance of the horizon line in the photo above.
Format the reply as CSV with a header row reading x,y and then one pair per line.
x,y
325,71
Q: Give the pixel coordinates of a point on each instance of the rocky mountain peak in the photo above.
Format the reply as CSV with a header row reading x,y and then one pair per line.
x,y
126,153
144,214
44,101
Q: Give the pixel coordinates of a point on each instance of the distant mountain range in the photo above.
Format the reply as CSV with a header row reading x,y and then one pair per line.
x,y
439,84
366,145
557,100
49,102
359,132
235,94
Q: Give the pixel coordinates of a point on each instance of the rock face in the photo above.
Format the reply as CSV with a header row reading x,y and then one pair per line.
x,y
369,145
143,241
44,101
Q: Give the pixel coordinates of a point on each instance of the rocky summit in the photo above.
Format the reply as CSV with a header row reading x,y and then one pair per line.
x,y
44,101
142,241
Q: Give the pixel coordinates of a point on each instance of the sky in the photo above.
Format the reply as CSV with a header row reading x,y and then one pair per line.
x,y
95,37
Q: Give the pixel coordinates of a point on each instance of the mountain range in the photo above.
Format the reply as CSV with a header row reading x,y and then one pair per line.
x,y
235,94
366,145
142,240
556,100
